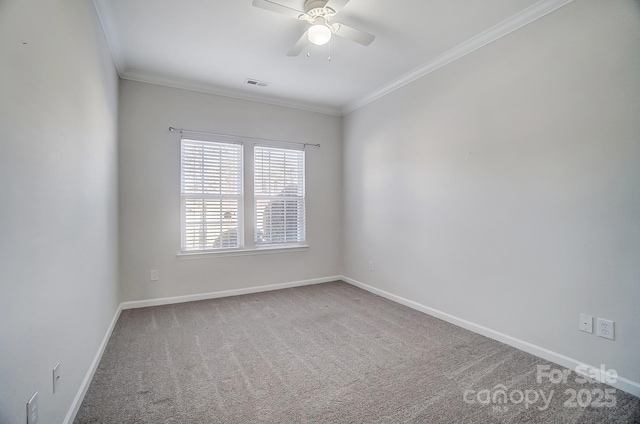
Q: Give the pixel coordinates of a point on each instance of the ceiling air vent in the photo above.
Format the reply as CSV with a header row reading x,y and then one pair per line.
x,y
252,81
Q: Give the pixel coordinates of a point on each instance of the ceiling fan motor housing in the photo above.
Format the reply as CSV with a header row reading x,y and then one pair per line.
x,y
319,16
309,5
317,13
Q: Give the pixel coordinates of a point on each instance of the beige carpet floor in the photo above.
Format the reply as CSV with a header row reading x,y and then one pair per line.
x,y
328,353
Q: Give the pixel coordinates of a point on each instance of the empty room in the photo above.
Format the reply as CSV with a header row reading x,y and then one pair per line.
x,y
319,211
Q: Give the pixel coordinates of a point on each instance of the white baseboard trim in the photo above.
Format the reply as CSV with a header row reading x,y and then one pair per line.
x,y
77,401
224,293
75,405
622,383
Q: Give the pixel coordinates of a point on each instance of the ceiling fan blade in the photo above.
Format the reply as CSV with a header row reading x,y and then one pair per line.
x,y
278,8
336,4
353,34
297,48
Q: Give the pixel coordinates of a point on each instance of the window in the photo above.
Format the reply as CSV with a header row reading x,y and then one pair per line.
x,y
211,195
214,184
279,195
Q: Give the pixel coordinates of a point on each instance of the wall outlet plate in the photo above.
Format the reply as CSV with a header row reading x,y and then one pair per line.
x,y
56,376
154,275
606,328
586,323
32,409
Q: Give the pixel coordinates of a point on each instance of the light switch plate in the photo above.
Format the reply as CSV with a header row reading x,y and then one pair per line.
x,y
56,376
32,409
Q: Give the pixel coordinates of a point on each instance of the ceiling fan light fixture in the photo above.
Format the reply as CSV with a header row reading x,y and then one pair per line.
x,y
319,34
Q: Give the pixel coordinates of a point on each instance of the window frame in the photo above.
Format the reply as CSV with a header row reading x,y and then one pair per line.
x,y
239,197
256,198
246,218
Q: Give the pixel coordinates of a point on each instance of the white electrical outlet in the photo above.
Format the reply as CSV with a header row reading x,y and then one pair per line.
x,y
32,409
371,266
586,323
56,376
154,275
606,328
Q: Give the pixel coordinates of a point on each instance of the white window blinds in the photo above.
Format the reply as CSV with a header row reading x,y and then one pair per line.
x,y
279,195
211,192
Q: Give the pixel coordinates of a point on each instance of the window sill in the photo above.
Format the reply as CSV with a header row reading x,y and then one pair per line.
x,y
242,252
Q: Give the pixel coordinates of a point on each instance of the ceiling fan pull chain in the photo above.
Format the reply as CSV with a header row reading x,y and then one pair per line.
x,y
329,58
308,48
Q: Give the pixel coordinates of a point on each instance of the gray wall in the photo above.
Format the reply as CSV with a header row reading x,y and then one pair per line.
x,y
501,189
149,159
58,213
504,188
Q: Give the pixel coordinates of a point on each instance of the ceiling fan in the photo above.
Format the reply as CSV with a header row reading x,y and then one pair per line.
x,y
319,14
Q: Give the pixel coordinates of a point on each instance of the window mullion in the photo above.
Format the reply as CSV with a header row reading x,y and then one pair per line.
x,y
248,199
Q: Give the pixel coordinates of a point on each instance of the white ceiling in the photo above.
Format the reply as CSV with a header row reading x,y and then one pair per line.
x,y
214,45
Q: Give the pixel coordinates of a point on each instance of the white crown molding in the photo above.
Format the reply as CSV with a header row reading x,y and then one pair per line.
x,y
110,33
108,27
517,21
528,15
153,78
